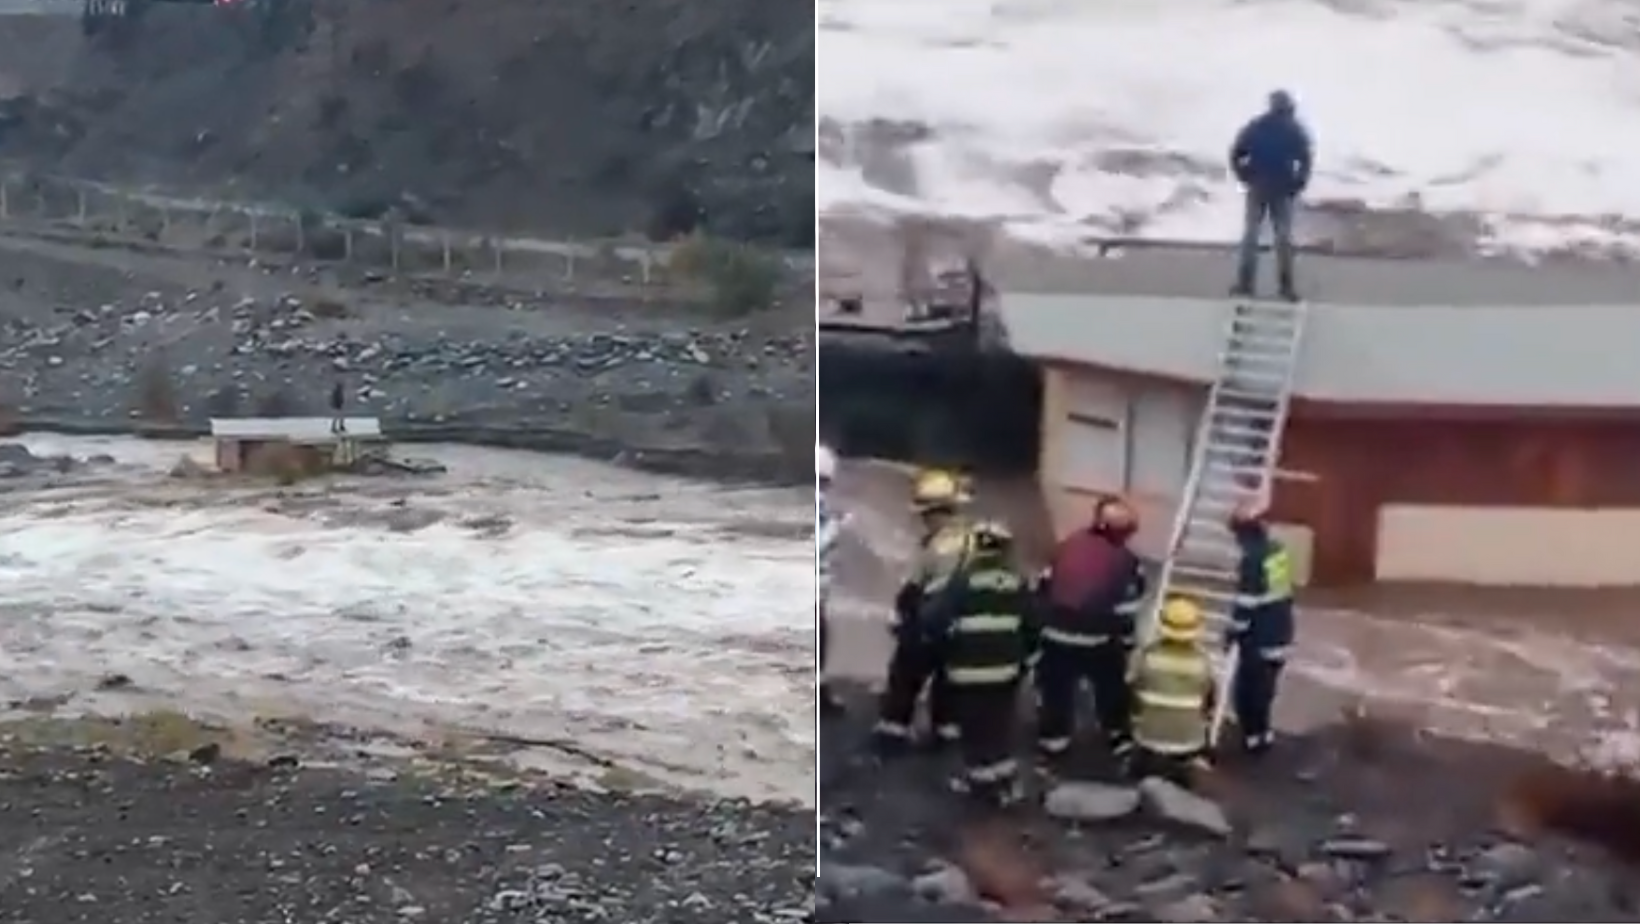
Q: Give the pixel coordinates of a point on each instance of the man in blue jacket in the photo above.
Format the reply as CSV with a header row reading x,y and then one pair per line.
x,y
1271,157
1263,624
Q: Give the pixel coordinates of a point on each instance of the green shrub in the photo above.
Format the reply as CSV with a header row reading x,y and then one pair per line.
x,y
739,278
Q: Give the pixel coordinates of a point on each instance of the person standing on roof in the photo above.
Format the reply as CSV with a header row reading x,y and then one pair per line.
x,y
1272,157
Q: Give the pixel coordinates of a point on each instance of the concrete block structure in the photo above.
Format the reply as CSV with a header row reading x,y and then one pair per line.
x,y
1460,422
332,442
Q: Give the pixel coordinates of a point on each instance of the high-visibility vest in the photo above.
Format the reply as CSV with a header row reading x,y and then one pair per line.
x,y
1171,686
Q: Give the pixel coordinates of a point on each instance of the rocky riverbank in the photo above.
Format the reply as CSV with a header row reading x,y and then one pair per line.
x,y
1327,829
116,341
98,832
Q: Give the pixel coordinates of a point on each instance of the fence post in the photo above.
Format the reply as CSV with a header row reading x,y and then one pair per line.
x,y
444,238
393,246
256,228
164,221
569,265
80,210
5,199
495,243
347,243
301,235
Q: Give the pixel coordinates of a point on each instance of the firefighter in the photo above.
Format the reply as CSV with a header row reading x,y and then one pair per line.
x,y
984,630
827,529
1173,694
1092,591
1262,624
938,498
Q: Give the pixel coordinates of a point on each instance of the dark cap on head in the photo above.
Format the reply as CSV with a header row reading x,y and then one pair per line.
x,y
1282,101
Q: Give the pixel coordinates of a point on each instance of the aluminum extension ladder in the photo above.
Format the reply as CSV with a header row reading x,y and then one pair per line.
x,y
1237,446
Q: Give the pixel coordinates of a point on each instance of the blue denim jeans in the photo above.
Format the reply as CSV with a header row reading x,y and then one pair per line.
x,y
1278,209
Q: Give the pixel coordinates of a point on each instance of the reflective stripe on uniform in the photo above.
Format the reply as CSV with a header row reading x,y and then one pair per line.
x,y
987,623
1275,653
1054,745
891,729
1128,608
1168,748
994,773
947,732
1074,639
1169,702
1278,580
966,675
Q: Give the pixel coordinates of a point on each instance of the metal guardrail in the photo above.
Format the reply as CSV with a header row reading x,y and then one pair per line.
x,y
209,224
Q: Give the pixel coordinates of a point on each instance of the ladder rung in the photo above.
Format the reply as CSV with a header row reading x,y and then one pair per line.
x,y
1261,307
1245,413
1232,471
1262,322
1206,574
1243,327
1238,435
1210,595
1242,361
1240,395
1242,377
1268,346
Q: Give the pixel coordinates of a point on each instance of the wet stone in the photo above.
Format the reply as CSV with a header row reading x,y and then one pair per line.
x,y
1505,865
1174,803
1356,848
1075,893
843,881
1166,887
1090,802
946,885
1192,909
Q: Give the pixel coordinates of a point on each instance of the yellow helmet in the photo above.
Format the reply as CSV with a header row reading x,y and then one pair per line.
x,y
1181,621
990,537
937,489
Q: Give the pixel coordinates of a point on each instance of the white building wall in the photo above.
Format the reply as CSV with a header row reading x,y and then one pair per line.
x,y
1504,546
1107,435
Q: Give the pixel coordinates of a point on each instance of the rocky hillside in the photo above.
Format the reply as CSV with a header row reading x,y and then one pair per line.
x,y
570,117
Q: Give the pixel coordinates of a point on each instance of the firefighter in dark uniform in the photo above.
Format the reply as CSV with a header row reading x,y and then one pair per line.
x,y
1262,624
1173,695
1092,592
985,632
938,497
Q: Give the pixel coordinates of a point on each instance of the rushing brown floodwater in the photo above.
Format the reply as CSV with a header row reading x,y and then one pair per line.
x,y
658,623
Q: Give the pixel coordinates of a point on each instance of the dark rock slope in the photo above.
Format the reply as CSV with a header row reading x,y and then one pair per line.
x,y
572,117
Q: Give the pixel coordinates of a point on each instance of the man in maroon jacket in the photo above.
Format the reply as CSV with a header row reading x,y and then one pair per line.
x,y
1092,592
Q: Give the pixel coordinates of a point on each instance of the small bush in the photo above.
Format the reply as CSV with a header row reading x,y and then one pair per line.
x,y
740,279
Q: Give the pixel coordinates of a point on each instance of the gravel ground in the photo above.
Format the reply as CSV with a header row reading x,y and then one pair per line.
x,y
91,836
1327,829
113,339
